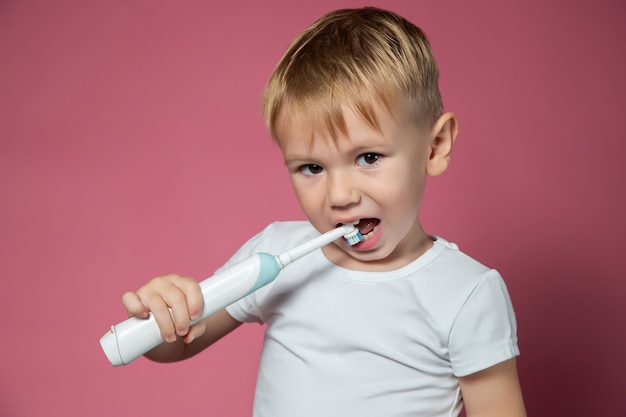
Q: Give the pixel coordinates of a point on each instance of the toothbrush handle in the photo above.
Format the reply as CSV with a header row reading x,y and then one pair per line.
x,y
133,337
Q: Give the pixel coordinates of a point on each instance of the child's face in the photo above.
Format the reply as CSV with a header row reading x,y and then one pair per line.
x,y
374,177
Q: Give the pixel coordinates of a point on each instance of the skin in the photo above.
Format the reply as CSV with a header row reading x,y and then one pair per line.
x,y
366,173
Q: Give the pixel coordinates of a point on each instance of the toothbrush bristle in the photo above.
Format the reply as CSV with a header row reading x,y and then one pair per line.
x,y
353,237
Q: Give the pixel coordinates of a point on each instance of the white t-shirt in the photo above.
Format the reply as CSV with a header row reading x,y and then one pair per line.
x,y
349,343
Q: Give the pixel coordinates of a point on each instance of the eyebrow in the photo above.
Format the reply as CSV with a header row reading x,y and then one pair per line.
x,y
373,145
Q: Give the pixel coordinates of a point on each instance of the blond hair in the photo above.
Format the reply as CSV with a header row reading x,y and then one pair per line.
x,y
354,58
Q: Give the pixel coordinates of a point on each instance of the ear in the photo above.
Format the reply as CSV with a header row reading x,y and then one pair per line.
x,y
442,137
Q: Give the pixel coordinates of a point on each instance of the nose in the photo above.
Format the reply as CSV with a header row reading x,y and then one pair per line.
x,y
342,189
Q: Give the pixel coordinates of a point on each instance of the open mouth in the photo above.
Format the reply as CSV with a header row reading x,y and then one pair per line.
x,y
366,226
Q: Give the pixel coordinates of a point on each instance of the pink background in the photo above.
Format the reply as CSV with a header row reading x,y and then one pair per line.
x,y
131,145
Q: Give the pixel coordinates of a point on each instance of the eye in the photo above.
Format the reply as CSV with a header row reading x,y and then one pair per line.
x,y
311,169
368,159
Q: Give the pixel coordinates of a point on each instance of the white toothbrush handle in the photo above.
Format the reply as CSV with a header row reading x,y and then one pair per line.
x,y
133,337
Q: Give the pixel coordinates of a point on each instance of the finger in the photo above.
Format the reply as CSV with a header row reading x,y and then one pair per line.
x,y
162,316
195,331
177,301
193,296
134,306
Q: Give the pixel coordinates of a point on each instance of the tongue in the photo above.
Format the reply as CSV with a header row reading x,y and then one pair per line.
x,y
367,225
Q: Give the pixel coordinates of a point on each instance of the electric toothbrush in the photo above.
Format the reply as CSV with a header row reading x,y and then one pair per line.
x,y
131,338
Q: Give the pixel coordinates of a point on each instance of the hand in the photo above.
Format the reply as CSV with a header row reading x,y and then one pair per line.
x,y
174,301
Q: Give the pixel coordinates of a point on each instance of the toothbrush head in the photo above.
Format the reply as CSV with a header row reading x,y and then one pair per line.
x,y
353,237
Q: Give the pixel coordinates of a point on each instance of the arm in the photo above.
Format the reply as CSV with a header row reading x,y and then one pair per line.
x,y
493,392
199,337
183,296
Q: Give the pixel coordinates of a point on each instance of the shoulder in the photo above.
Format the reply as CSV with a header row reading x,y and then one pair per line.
x,y
281,235
453,268
453,257
482,326
275,238
290,227
457,288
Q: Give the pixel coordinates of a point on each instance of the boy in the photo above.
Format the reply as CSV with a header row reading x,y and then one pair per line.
x,y
402,323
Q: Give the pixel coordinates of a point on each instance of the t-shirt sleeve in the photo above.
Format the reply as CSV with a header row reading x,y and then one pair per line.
x,y
485,330
245,251
246,310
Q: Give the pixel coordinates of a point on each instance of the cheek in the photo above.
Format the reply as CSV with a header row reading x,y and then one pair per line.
x,y
306,195
402,192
